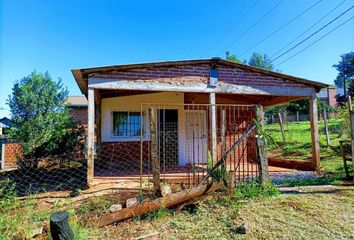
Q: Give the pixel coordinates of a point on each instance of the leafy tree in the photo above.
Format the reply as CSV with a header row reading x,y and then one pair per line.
x,y
43,124
345,68
262,61
233,58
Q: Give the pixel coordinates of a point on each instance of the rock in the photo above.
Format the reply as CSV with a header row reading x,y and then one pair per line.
x,y
166,190
242,229
131,202
37,231
115,207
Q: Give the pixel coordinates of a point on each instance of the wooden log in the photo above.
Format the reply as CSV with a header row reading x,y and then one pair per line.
x,y
325,120
155,161
262,157
281,127
59,226
154,205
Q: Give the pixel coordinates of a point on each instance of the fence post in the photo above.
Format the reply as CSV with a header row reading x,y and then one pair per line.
x,y
326,127
297,116
262,158
90,136
155,162
351,115
223,143
281,127
214,150
315,138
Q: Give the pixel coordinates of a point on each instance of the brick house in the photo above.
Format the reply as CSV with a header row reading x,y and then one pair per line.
x,y
183,113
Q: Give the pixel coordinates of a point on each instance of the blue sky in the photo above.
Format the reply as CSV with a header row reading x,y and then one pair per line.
x,y
58,36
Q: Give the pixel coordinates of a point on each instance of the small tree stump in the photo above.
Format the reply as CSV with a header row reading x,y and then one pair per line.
x,y
59,226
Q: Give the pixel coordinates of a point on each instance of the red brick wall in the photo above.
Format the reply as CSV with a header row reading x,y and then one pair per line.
x,y
239,76
11,152
200,74
79,114
331,93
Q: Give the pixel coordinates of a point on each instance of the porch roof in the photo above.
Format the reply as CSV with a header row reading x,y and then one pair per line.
x,y
81,75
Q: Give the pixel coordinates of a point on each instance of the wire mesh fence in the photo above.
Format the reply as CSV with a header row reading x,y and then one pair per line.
x,y
181,137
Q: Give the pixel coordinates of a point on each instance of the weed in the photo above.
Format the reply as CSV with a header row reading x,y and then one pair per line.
x,y
254,189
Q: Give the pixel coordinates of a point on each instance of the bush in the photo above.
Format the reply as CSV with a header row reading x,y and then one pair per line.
x,y
255,188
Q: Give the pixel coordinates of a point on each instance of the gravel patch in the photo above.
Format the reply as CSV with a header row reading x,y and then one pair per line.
x,y
299,175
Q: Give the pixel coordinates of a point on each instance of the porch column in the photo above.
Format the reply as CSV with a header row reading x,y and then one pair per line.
x,y
90,135
314,132
214,149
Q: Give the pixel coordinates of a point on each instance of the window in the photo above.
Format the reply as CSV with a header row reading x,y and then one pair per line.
x,y
127,124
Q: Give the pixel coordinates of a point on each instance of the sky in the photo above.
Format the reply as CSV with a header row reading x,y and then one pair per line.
x,y
57,36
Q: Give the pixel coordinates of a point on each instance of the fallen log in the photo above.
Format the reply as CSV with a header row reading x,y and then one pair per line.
x,y
156,204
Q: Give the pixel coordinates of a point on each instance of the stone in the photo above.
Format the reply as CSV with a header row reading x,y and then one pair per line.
x,y
131,202
166,190
37,231
242,229
115,207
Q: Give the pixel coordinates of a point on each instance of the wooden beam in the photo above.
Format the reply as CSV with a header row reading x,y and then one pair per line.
x,y
315,138
281,126
262,158
90,136
103,83
214,143
325,120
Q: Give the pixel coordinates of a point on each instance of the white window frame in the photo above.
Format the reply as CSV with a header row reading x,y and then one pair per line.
x,y
128,138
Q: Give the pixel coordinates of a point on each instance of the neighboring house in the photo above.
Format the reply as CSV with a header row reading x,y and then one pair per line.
x,y
329,94
78,108
185,113
5,125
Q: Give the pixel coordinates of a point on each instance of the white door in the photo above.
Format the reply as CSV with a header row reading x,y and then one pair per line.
x,y
197,137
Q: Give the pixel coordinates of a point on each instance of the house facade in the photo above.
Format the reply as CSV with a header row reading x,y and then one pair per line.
x,y
186,114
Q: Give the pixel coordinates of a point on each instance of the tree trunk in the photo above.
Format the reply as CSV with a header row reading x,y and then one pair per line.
x,y
59,226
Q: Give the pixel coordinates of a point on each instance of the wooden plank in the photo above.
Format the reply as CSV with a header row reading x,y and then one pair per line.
x,y
155,161
263,161
325,120
214,143
90,136
315,138
281,127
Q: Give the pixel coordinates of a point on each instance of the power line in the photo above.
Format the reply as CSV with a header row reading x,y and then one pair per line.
x,y
326,25
231,28
279,29
255,24
308,29
315,42
208,26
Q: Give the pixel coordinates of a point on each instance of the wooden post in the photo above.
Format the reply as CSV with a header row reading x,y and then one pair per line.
x,y
260,116
214,153
223,142
325,120
314,133
297,116
90,136
281,127
262,158
272,118
351,113
59,226
155,161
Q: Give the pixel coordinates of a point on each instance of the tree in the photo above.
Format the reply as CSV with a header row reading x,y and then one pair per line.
x,y
262,61
345,68
233,58
43,125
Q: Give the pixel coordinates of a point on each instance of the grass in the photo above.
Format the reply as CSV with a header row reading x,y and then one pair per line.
x,y
325,214
298,147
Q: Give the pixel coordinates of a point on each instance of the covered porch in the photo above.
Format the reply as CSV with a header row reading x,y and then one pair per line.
x,y
184,114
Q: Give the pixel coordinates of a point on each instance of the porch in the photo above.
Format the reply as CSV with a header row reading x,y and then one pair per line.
x,y
183,116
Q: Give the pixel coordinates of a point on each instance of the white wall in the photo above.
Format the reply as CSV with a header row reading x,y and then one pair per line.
x,y
133,103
